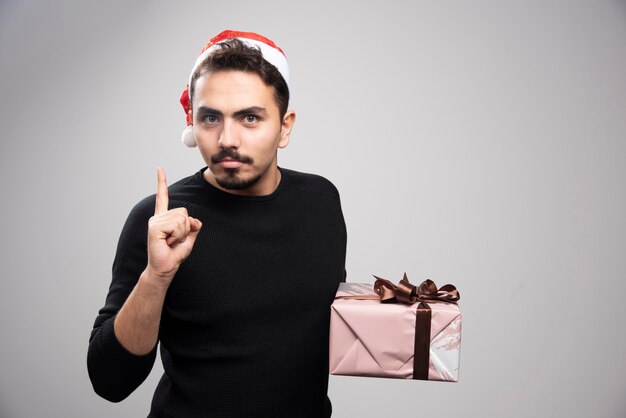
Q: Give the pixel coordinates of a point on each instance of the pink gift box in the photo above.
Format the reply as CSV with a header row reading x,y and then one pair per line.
x,y
370,338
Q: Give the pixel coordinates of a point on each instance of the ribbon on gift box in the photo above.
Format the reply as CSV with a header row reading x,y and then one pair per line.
x,y
427,291
407,293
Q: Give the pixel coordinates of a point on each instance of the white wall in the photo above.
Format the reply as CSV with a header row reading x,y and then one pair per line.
x,y
478,143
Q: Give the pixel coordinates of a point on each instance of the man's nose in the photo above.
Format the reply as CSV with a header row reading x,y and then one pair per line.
x,y
228,137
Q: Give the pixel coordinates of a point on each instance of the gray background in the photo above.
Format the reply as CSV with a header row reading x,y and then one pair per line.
x,y
478,143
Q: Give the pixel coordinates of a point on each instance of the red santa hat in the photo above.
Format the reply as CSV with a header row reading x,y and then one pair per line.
x,y
270,51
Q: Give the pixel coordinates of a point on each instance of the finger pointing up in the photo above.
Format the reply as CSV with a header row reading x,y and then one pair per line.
x,y
162,199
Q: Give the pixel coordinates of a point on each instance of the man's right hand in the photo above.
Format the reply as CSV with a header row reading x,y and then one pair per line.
x,y
171,235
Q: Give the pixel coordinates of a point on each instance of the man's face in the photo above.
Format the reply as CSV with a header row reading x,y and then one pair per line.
x,y
238,129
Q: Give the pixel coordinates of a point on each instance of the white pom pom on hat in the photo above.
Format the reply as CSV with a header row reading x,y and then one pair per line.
x,y
189,138
270,51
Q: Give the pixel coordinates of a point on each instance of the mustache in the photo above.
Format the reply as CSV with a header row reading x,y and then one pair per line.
x,y
232,154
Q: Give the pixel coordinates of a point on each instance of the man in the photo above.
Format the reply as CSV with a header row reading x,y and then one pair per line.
x,y
241,262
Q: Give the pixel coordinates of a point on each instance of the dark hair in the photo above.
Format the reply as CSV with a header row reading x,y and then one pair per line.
x,y
235,55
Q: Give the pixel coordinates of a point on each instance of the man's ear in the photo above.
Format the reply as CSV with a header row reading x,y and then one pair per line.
x,y
288,120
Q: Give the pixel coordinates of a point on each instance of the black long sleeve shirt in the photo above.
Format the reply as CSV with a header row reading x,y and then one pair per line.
x,y
244,327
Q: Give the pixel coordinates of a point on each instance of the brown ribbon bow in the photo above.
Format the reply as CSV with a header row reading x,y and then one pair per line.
x,y
405,292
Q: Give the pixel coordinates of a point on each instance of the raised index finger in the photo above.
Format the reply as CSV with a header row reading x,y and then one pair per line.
x,y
162,199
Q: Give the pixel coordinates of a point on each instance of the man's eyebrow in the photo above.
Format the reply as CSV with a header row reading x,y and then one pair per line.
x,y
253,110
209,111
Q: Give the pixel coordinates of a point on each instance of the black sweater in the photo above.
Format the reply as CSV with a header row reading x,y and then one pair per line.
x,y
244,328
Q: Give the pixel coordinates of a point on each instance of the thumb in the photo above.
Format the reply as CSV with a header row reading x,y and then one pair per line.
x,y
195,225
187,243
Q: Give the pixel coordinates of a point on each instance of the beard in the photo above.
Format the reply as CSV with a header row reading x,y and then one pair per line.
x,y
231,179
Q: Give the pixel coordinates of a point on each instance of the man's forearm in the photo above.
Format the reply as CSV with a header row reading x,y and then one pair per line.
x,y
137,323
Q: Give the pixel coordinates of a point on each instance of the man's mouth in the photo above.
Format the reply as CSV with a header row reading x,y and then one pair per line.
x,y
230,163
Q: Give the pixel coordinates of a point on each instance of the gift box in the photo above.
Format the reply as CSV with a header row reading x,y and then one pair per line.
x,y
403,331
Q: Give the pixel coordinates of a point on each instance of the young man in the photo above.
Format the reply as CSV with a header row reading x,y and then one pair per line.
x,y
241,261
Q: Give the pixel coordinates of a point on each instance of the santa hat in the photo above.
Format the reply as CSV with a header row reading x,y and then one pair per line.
x,y
270,51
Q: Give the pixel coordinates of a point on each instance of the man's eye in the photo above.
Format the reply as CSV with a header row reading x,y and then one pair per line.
x,y
210,119
251,118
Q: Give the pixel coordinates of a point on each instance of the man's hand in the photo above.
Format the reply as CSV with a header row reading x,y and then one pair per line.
x,y
171,235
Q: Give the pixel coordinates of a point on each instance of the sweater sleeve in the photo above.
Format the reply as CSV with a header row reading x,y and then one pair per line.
x,y
114,371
